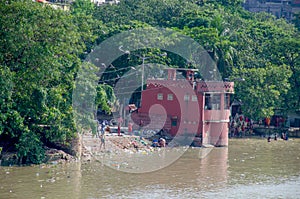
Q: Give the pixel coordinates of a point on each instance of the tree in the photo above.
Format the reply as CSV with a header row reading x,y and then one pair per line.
x,y
6,85
41,58
286,51
296,20
263,89
228,3
82,7
89,28
236,39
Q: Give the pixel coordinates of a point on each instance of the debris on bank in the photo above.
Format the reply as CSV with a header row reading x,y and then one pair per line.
x,y
54,156
115,144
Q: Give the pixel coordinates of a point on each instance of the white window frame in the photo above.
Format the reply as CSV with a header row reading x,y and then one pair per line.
x,y
170,97
186,97
194,98
160,96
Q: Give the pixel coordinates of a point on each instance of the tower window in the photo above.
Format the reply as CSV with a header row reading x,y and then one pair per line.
x,y
170,97
160,96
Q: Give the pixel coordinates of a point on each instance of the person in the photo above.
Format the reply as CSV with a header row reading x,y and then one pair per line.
x,y
103,124
259,122
275,137
190,76
269,139
194,85
120,121
141,123
103,136
119,130
284,136
251,124
162,142
130,128
98,129
155,143
267,122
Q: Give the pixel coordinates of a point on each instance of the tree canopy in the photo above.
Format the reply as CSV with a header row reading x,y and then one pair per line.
x,y
40,56
237,40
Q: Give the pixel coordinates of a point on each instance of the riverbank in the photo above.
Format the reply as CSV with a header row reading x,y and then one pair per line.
x,y
113,144
52,156
58,153
86,146
266,131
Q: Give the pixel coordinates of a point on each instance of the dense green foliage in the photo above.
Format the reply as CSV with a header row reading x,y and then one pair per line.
x,y
241,43
41,51
39,56
40,47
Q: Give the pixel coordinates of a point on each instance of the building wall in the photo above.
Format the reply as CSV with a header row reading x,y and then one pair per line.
x,y
187,107
100,2
184,106
279,8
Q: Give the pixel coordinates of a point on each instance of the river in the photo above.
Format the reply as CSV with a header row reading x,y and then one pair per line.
x,y
248,168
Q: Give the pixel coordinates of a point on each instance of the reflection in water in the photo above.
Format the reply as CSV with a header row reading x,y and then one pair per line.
x,y
189,174
252,168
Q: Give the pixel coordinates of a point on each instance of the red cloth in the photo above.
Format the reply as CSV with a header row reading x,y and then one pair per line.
x,y
268,121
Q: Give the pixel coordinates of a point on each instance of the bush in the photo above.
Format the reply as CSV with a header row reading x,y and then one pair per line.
x,y
30,148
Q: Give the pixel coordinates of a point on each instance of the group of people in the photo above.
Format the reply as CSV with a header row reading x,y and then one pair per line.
x,y
277,122
284,136
102,130
239,124
159,143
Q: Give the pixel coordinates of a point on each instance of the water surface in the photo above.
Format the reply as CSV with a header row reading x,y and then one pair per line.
x,y
248,168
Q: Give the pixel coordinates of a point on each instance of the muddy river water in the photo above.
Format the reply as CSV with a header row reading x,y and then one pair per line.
x,y
248,168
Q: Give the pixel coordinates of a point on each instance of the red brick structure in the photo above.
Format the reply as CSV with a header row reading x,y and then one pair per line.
x,y
186,107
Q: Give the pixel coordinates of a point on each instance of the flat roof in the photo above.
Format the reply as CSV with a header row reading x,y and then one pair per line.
x,y
182,69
